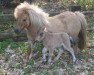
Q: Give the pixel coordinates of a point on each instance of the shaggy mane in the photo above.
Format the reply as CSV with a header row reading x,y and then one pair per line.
x,y
36,14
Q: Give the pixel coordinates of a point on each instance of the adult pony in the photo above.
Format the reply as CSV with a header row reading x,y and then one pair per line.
x,y
33,19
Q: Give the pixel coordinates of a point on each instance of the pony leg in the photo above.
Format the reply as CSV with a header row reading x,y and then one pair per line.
x,y
44,54
59,54
30,53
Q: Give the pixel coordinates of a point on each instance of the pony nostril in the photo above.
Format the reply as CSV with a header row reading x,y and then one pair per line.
x,y
17,31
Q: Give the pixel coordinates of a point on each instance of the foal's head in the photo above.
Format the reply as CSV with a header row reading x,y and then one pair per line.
x,y
41,34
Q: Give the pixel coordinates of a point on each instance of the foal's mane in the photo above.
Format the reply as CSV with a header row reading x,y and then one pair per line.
x,y
37,15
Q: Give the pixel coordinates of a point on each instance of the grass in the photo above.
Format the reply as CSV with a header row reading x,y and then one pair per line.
x,y
22,45
1,13
14,45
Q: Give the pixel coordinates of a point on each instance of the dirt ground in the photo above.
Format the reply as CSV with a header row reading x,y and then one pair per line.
x,y
11,63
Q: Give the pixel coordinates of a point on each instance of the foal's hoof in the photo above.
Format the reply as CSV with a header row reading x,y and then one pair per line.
x,y
51,63
43,62
75,62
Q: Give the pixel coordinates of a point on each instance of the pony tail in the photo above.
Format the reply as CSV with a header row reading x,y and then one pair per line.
x,y
82,43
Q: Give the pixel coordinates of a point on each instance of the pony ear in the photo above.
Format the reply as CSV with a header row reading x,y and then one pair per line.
x,y
25,2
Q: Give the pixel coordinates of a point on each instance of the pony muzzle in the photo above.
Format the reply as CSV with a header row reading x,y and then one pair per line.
x,y
17,31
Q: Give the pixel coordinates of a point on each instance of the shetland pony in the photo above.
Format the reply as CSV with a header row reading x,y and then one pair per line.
x,y
54,41
33,19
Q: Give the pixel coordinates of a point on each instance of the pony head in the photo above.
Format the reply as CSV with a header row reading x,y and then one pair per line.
x,y
22,17
29,15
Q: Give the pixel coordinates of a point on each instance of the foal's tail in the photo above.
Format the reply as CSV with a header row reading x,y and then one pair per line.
x,y
82,43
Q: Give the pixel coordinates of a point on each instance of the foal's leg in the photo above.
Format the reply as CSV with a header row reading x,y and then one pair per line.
x,y
67,46
44,54
72,53
61,50
50,55
69,49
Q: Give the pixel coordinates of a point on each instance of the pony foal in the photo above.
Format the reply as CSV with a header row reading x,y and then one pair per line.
x,y
52,41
